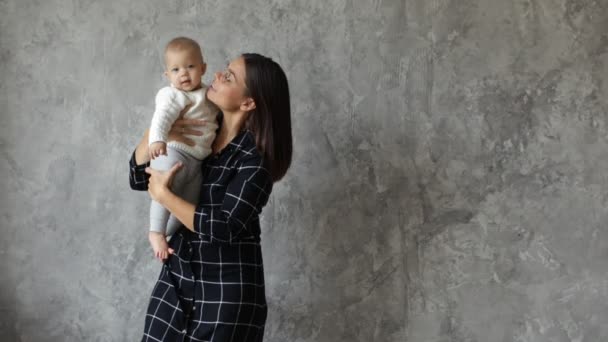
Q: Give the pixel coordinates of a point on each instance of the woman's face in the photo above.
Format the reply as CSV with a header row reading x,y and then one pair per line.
x,y
228,90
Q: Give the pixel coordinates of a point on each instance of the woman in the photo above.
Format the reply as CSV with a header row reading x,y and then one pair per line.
x,y
211,287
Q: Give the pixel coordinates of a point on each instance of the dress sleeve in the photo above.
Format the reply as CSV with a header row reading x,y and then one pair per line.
x,y
138,178
246,195
169,103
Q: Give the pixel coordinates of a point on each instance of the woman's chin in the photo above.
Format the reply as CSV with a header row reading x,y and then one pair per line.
x,y
211,96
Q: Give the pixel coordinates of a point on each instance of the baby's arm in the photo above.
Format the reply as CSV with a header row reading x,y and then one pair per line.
x,y
169,104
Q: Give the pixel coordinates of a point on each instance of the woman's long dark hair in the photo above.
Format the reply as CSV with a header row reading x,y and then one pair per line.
x,y
270,121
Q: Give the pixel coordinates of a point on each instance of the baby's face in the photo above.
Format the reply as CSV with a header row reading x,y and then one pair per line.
x,y
184,69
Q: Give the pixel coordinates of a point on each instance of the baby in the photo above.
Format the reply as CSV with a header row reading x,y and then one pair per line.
x,y
184,68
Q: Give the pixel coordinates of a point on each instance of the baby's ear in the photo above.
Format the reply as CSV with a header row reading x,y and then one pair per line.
x,y
203,68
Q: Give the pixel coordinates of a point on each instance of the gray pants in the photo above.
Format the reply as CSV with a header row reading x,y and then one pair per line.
x,y
186,184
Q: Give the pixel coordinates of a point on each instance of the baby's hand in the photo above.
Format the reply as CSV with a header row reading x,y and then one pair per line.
x,y
157,148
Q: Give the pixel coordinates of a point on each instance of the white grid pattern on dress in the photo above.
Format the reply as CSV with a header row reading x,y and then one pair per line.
x,y
227,301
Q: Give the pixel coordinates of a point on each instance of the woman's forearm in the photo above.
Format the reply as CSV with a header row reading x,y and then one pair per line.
x,y
142,154
180,208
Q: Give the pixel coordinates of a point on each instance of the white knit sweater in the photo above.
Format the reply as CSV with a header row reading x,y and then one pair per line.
x,y
170,101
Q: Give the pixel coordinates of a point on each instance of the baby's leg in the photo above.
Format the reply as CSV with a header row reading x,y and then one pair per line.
x,y
187,188
156,235
159,216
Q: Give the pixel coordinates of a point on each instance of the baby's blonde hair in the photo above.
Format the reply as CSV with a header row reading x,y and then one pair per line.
x,y
184,43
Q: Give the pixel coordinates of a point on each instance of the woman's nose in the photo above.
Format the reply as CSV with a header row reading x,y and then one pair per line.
x,y
218,75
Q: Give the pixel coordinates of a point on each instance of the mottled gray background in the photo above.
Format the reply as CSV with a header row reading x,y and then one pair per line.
x,y
449,181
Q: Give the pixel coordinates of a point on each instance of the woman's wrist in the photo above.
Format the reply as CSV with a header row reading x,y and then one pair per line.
x,y
179,207
165,196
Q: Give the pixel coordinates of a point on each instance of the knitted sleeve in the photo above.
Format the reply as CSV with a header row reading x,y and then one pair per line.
x,y
169,103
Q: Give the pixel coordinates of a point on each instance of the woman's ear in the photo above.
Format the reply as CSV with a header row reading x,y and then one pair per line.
x,y
248,105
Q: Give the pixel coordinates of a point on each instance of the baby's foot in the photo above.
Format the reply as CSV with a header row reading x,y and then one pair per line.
x,y
159,245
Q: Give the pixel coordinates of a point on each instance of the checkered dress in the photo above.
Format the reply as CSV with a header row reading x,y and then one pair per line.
x,y
212,288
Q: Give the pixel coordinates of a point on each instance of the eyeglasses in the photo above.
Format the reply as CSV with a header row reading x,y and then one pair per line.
x,y
228,76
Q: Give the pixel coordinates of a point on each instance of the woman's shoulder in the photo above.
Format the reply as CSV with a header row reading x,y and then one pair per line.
x,y
245,142
246,150
239,161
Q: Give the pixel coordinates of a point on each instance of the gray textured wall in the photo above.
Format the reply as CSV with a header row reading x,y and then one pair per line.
x,y
449,181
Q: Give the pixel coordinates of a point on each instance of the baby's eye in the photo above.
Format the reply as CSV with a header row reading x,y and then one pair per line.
x,y
174,69
190,66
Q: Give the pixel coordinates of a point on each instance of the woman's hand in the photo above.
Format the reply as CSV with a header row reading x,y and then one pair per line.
x,y
183,127
159,184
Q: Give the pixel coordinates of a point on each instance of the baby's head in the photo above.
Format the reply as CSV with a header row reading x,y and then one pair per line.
x,y
184,63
